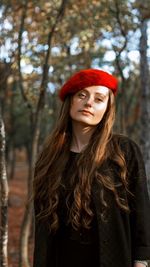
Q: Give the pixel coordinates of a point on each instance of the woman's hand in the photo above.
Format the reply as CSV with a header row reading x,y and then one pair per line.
x,y
140,264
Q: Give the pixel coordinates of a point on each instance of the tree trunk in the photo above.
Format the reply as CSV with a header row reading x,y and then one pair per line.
x,y
25,230
24,234
12,162
145,98
3,199
28,215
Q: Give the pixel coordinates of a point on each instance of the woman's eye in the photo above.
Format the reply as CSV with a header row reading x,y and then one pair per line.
x,y
98,99
82,95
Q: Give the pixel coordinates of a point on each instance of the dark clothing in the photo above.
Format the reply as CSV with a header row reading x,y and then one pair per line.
x,y
122,238
68,252
67,240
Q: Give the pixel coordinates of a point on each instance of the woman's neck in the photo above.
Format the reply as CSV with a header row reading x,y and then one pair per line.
x,y
81,135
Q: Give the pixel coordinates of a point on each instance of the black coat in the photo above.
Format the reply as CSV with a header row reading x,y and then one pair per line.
x,y
123,237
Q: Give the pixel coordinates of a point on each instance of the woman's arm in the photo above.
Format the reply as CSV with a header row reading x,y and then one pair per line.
x,y
139,204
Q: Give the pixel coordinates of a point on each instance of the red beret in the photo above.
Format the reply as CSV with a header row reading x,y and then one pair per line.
x,y
87,78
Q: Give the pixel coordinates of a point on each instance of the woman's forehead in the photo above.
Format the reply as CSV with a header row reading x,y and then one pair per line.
x,y
98,89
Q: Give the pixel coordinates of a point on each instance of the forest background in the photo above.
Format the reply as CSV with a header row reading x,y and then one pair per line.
x,y
42,44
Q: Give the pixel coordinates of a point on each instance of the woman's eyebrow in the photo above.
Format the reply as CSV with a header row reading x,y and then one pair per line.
x,y
96,93
101,95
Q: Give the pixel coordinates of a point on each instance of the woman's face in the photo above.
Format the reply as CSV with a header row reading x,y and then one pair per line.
x,y
89,105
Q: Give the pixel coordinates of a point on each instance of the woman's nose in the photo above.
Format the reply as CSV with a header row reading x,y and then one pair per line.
x,y
89,102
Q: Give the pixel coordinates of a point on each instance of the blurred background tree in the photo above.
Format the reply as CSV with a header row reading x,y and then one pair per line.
x,y
43,43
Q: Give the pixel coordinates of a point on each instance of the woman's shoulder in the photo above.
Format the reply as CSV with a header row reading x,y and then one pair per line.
x,y
129,147
124,140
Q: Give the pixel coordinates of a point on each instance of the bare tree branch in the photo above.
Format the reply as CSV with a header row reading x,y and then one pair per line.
x,y
46,65
21,29
119,21
124,34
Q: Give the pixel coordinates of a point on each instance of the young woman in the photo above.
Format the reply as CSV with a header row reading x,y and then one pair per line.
x,y
90,195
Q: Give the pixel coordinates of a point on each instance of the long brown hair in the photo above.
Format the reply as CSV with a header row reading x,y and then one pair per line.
x,y
53,159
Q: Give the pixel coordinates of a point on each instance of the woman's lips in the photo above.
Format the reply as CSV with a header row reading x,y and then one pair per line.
x,y
84,111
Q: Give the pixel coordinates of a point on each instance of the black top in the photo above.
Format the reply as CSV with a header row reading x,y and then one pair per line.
x,y
125,236
73,248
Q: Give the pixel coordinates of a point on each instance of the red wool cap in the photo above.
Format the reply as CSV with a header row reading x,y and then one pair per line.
x,y
87,78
